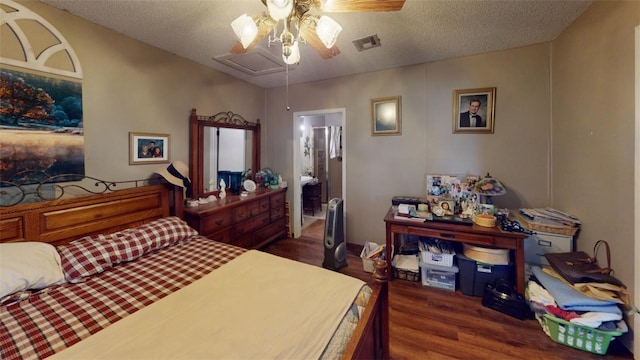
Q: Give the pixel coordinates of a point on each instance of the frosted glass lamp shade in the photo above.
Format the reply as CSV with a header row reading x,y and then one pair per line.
x,y
279,9
328,30
245,29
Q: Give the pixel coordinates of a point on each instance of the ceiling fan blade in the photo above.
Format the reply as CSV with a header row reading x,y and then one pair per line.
x,y
265,25
308,33
359,5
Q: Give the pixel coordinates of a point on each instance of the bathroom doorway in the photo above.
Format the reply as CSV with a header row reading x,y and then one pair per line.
x,y
319,162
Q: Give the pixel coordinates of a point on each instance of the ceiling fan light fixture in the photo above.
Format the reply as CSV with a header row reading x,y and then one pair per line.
x,y
328,31
279,9
293,52
245,29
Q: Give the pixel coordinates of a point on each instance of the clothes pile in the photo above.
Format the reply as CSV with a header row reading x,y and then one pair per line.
x,y
577,311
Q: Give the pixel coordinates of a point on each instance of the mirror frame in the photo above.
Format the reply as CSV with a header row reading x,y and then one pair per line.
x,y
197,126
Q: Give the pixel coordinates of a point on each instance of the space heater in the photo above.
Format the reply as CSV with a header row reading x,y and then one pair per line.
x,y
335,248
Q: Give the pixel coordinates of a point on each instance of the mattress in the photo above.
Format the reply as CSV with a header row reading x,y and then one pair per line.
x,y
58,317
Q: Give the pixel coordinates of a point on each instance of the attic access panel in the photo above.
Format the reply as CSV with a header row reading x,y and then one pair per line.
x,y
259,61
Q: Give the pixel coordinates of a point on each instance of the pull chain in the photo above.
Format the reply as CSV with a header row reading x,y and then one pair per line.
x,y
287,86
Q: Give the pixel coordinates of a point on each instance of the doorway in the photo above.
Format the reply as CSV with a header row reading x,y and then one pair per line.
x,y
318,149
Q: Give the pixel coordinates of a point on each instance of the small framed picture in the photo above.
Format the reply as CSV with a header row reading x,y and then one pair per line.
x,y
147,148
473,111
487,209
386,116
448,206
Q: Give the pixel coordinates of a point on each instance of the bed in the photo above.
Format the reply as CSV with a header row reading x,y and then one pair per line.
x,y
134,273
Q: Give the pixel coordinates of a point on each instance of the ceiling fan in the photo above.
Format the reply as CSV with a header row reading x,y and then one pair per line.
x,y
300,25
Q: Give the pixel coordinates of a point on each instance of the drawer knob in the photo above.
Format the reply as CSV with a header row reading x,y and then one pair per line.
x,y
219,222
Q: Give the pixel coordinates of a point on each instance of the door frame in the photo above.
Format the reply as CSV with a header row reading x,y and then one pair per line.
x,y
296,210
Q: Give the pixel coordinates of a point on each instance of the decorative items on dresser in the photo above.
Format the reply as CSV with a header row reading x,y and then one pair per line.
x,y
250,221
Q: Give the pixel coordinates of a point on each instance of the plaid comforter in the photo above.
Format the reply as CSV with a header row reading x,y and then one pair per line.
x,y
58,317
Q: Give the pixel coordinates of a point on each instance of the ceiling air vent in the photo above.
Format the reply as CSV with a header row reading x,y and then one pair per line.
x,y
366,43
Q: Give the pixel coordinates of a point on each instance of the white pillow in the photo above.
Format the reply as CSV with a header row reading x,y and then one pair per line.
x,y
28,265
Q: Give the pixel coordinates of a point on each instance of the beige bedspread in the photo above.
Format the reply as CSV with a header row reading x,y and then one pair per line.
x,y
258,306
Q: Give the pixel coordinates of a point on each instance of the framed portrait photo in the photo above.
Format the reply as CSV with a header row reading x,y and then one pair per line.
x,y
386,116
473,110
147,148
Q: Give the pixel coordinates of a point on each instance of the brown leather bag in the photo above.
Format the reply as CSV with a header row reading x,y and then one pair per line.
x,y
578,267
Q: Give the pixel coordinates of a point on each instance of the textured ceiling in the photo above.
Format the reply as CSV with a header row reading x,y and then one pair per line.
x,y
423,31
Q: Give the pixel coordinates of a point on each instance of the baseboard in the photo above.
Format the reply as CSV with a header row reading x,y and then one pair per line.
x,y
354,248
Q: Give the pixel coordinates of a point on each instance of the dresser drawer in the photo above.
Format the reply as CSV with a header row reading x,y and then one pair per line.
x,y
223,236
277,200
452,235
264,205
251,225
277,213
270,232
536,245
246,241
214,223
248,210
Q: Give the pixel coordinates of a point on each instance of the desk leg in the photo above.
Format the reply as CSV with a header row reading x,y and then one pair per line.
x,y
520,266
388,249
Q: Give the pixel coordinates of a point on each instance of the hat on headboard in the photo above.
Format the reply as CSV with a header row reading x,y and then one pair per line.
x,y
177,173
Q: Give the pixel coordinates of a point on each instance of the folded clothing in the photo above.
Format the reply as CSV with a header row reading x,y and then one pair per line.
x,y
570,299
595,319
538,294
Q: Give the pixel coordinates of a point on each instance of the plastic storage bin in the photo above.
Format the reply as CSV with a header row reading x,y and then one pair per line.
x,y
436,259
474,275
442,277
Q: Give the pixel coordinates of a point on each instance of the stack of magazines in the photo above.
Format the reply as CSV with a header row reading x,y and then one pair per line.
x,y
549,218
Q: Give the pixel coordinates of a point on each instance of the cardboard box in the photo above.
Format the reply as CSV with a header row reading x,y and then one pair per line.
x,y
367,249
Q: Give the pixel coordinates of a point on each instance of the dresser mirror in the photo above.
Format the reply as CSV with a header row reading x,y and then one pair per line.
x,y
220,144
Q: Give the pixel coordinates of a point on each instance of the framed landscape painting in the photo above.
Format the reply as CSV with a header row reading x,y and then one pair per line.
x,y
386,116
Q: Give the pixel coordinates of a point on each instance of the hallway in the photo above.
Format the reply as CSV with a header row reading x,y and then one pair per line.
x,y
313,226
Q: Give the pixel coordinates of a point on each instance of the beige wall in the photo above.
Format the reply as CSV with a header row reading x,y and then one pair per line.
x,y
593,129
379,167
131,86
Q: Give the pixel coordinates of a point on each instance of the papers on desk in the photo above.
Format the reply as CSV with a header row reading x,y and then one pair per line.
x,y
409,218
550,217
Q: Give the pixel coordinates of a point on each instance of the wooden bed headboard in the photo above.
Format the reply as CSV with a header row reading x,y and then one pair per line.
x,y
64,220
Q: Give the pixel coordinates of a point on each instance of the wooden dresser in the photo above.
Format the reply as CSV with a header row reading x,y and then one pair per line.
x,y
250,222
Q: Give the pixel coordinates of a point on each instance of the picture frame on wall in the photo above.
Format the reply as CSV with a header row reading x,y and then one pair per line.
x,y
474,110
148,148
386,116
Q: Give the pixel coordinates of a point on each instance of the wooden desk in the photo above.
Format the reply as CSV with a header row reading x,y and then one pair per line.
x,y
478,235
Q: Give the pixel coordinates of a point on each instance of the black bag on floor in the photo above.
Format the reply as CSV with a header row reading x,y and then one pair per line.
x,y
502,297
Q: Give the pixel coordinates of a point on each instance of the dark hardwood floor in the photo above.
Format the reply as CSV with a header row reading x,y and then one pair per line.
x,y
427,323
